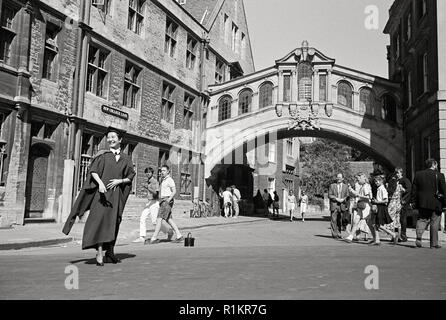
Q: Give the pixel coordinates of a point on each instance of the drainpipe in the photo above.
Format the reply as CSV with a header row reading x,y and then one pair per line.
x,y
204,44
75,133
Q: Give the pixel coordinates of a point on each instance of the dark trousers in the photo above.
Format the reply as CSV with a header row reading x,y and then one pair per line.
x,y
335,225
432,219
403,221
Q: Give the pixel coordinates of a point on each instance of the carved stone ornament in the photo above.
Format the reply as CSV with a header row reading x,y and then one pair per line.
x,y
279,110
329,110
304,119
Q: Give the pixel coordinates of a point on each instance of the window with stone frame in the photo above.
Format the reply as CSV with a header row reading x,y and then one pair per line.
x,y
186,180
89,148
219,71
188,111
136,15
243,46
345,94
304,80
191,52
287,88
128,149
366,101
103,5
323,87
167,102
131,85
245,101
234,37
224,108
8,31
289,147
388,108
50,52
97,71
266,95
170,42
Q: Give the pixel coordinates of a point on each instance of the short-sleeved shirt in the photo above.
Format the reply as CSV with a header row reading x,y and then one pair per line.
x,y
227,197
153,189
237,195
381,194
166,187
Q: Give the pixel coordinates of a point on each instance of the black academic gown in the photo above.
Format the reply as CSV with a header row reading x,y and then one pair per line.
x,y
106,210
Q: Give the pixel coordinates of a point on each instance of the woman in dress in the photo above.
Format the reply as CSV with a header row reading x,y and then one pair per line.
x,y
291,204
104,193
363,195
380,215
395,192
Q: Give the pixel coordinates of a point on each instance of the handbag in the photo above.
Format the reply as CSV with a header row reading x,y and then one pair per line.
x,y
361,205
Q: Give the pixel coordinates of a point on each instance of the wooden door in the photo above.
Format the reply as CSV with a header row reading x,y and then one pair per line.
x,y
36,187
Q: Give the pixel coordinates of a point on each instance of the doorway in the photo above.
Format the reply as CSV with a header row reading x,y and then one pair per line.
x,y
36,184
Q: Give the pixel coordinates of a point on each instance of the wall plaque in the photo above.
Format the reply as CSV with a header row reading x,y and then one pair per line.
x,y
115,112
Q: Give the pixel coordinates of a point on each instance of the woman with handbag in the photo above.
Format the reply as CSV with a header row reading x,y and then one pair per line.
x,y
363,197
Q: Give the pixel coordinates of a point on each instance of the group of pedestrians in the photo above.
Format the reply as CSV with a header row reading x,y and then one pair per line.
x,y
270,204
230,199
371,206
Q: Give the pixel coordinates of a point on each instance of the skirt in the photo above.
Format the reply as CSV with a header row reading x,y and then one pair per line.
x,y
381,217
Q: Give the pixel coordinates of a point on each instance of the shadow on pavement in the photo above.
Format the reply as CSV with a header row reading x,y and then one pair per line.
x,y
121,256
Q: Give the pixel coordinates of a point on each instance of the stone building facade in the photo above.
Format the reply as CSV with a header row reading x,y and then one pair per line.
x,y
139,66
417,61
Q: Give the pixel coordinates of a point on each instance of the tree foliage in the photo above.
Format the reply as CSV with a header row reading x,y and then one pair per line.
x,y
321,161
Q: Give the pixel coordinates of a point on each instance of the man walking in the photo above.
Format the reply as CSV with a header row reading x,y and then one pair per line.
x,y
428,191
338,194
236,197
151,208
167,193
405,200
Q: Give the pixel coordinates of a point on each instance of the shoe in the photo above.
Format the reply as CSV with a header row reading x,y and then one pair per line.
x,y
403,239
139,240
375,244
348,240
436,247
177,240
170,235
112,258
150,241
99,264
418,244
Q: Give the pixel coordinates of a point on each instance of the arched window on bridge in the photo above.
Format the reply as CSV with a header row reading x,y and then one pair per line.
x,y
388,108
304,76
266,95
366,101
224,108
345,93
244,101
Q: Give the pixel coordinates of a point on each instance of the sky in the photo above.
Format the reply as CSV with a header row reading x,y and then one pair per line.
x,y
337,28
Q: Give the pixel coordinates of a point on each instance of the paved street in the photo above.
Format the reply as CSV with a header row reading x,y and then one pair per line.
x,y
259,260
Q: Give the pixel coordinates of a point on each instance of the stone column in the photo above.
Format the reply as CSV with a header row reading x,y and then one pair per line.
x,y
280,87
294,87
18,165
329,88
255,101
315,86
355,101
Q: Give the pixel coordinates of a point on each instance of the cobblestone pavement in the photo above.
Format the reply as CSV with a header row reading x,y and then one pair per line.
x,y
261,260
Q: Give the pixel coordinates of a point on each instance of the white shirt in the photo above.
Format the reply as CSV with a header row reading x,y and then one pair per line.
x,y
381,194
166,187
237,195
117,153
227,196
